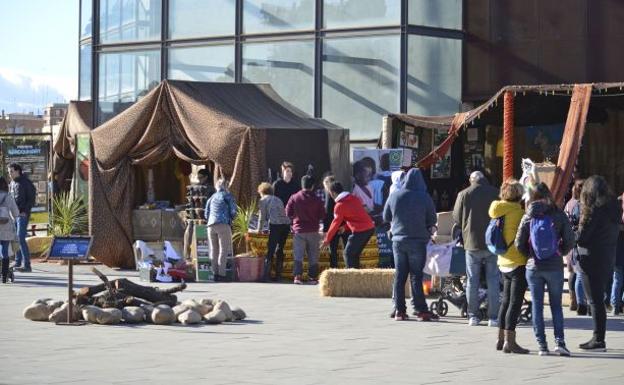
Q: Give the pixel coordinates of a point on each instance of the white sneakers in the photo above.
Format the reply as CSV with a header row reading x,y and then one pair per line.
x,y
473,321
493,323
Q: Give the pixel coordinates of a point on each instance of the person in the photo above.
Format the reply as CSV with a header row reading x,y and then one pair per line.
x,y
306,211
205,179
286,186
8,215
272,211
618,271
578,301
397,180
220,210
342,234
349,211
471,215
24,193
412,217
597,241
512,265
544,236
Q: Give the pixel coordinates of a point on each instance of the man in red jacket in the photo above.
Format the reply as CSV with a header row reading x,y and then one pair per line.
x,y
306,211
350,211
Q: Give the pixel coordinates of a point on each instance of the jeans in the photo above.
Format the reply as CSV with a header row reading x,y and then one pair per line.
x,y
616,289
553,279
514,286
220,236
21,225
474,261
581,298
355,244
307,243
409,258
4,249
278,234
333,248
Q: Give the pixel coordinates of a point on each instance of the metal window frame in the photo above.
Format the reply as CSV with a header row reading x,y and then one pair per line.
x,y
404,29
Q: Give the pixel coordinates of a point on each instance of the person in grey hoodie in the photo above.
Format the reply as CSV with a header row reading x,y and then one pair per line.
x,y
471,216
411,214
548,271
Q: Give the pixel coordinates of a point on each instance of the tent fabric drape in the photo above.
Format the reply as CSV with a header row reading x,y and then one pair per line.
x,y
77,120
445,146
571,142
228,124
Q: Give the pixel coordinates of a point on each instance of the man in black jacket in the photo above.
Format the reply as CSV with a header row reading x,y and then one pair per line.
x,y
24,193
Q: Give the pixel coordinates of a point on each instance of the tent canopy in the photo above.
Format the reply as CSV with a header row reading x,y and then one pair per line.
x,y
243,128
573,104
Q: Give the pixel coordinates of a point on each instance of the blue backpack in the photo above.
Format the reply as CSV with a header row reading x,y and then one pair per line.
x,y
543,238
494,238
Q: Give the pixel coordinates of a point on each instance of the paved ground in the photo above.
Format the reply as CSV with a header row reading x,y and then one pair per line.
x,y
292,336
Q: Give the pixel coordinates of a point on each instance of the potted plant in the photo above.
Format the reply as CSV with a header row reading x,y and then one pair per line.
x,y
248,266
69,217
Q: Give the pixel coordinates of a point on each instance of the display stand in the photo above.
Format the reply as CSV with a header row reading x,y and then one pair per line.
x,y
71,248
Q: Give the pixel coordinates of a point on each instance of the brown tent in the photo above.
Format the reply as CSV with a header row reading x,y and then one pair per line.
x,y
600,104
77,120
243,128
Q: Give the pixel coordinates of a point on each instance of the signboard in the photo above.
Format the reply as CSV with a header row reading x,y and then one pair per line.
x,y
70,248
32,155
201,251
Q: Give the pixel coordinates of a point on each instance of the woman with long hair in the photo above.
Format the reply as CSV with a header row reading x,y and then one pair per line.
x,y
544,236
8,214
578,301
512,265
597,241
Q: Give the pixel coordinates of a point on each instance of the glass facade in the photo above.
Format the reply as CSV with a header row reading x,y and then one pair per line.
x,y
84,83
130,20
202,64
361,13
196,18
288,66
263,16
124,78
433,75
436,13
361,82
348,61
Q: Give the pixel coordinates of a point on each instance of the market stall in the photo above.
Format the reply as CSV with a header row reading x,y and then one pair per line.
x,y
243,130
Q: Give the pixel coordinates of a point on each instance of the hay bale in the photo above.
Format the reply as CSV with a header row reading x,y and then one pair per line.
x,y
365,283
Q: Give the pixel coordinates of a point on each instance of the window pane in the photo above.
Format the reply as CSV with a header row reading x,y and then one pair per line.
x,y
124,78
85,72
193,18
287,66
436,13
277,15
356,13
204,64
86,17
129,20
433,75
361,82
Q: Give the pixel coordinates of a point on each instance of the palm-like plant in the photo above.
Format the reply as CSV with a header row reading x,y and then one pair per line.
x,y
69,216
240,224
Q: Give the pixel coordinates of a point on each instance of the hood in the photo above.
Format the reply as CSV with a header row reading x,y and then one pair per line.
x,y
414,181
501,208
538,208
397,177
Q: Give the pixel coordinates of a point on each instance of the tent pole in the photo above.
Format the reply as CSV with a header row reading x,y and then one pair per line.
x,y
508,136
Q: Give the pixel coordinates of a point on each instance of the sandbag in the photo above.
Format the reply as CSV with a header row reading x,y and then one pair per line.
x,y
163,315
90,313
109,316
216,316
60,314
223,306
239,314
201,308
190,317
132,314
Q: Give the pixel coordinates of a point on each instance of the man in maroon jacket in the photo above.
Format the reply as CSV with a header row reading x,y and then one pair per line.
x,y
306,211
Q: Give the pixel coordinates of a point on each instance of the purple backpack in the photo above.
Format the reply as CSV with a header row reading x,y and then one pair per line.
x,y
543,238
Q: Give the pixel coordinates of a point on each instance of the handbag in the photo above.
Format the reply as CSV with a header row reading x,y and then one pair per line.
x,y
4,212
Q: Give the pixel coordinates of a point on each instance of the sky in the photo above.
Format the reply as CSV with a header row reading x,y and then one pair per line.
x,y
38,53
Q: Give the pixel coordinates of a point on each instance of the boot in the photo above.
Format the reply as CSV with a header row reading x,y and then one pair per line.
x,y
573,303
501,339
5,269
582,310
511,346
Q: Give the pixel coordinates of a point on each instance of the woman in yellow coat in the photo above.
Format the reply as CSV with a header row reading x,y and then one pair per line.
x,y
512,265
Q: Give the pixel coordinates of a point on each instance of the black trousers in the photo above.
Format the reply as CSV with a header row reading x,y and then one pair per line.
x,y
514,286
353,248
333,248
595,282
278,234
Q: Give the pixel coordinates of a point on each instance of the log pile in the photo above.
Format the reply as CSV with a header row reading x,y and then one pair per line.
x,y
122,300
